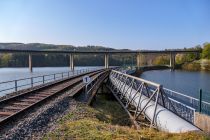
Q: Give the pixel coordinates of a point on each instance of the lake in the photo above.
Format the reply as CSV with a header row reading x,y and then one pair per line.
x,y
9,74
185,82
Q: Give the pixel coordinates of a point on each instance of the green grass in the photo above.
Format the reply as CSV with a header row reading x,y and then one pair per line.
x,y
105,121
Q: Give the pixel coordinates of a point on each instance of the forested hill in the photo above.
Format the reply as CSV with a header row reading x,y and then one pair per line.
x,y
21,60
41,46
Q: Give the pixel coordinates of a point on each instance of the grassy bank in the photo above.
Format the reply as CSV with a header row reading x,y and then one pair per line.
x,y
106,120
198,65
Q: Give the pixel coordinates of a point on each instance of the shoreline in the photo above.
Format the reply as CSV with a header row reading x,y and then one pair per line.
x,y
197,65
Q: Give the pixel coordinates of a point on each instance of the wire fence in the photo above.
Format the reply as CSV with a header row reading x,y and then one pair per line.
x,y
205,96
200,105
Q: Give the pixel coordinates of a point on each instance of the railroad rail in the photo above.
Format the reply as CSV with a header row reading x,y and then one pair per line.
x,y
13,106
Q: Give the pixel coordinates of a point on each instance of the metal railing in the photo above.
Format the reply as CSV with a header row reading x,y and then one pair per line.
x,y
189,101
91,86
155,92
20,84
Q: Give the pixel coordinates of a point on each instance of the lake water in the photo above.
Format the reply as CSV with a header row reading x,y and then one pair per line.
x,y
185,82
10,74
7,74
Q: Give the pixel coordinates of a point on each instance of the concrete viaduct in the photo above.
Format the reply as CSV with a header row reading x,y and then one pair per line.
x,y
106,54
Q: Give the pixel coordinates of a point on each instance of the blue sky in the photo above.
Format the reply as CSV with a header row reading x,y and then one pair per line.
x,y
133,24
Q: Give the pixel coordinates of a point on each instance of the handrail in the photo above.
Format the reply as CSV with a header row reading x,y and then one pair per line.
x,y
182,104
140,79
190,97
187,106
44,75
37,80
179,93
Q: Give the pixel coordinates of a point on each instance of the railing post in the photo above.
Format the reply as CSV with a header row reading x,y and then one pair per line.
x,y
31,81
15,85
43,79
200,100
30,63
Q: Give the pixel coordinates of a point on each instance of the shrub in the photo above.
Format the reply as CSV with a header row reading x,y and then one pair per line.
x,y
206,51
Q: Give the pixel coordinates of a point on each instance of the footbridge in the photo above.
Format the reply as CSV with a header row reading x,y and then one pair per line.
x,y
141,97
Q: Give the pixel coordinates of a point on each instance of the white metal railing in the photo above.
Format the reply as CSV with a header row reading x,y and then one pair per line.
x,y
148,89
24,83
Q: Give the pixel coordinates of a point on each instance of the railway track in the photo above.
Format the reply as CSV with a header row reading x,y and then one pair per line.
x,y
14,106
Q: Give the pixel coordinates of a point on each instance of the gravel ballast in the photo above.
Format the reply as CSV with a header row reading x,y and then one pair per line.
x,y
41,119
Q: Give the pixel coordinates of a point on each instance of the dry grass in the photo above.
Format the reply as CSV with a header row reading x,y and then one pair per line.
x,y
102,123
203,122
192,66
197,65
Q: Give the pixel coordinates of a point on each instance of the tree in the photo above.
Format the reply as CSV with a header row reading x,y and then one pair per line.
x,y
161,60
206,51
5,58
